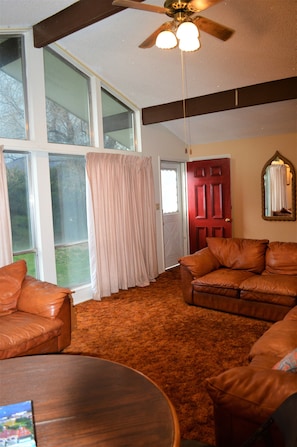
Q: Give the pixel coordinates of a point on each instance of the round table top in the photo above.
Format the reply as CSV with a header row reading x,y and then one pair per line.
x,y
86,401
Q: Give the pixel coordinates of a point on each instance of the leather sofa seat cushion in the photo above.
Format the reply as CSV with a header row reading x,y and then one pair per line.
x,y
279,340
281,300
41,298
271,284
281,258
237,253
11,279
251,393
200,263
223,281
21,331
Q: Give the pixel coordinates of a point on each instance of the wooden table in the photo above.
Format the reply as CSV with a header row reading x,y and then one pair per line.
x,y
83,401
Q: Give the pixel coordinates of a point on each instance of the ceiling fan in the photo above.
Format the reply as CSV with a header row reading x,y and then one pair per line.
x,y
180,11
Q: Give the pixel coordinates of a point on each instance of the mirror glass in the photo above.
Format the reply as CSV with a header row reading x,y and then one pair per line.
x,y
278,189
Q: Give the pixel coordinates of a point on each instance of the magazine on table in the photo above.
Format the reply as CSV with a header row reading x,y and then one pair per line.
x,y
17,425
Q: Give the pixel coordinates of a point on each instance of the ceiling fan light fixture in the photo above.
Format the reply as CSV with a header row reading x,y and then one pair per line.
x,y
187,30
192,44
166,40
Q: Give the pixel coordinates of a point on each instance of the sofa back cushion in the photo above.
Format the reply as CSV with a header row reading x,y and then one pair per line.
x,y
41,298
11,279
200,263
239,254
281,258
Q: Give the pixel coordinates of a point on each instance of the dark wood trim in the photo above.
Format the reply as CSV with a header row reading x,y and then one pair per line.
x,y
265,93
77,16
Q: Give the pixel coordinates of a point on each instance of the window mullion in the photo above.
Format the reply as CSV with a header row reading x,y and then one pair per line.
x,y
43,215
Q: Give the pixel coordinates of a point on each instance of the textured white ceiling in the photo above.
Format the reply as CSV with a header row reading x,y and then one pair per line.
x,y
262,49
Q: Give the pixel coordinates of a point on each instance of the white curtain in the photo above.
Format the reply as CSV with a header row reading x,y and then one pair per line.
x,y
6,254
122,226
278,187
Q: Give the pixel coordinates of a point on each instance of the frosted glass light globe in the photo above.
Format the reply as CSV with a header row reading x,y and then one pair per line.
x,y
192,44
187,30
166,40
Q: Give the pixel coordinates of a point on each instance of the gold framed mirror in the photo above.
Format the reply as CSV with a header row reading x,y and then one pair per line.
x,y
278,189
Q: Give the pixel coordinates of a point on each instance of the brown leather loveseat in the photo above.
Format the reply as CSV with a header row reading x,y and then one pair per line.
x,y
256,278
35,316
245,397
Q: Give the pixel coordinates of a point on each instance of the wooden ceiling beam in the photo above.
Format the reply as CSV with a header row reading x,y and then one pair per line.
x,y
253,95
74,18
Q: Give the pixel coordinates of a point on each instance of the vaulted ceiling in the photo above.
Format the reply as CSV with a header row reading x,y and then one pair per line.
x,y
261,51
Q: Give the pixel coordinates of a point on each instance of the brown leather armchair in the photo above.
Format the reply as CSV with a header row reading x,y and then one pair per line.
x,y
35,316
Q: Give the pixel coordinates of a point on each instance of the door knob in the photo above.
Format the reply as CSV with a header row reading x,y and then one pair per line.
x,y
227,219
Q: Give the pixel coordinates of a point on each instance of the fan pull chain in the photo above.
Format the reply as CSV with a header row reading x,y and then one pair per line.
x,y
184,94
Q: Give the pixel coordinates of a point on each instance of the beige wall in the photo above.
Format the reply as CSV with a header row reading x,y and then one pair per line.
x,y
247,160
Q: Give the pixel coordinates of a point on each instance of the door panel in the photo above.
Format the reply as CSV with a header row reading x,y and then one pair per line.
x,y
173,216
209,201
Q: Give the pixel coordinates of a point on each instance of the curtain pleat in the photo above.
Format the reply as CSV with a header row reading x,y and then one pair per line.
x,y
278,187
122,227
6,253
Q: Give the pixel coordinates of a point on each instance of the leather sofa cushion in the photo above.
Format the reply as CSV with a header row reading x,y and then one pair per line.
x,y
41,298
21,331
272,284
239,254
223,282
279,340
213,290
251,393
281,258
200,263
260,297
11,279
264,361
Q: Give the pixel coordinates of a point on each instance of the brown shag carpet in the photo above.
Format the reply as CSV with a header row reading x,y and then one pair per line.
x,y
178,346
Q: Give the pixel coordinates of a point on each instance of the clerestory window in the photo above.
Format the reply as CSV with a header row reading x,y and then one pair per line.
x,y
13,108
68,108
118,123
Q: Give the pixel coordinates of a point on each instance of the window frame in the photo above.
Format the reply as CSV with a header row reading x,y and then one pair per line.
x,y
39,148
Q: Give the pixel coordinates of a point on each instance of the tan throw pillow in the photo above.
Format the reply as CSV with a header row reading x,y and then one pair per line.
x,y
11,278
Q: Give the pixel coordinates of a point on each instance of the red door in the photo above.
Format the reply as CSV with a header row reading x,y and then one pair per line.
x,y
209,201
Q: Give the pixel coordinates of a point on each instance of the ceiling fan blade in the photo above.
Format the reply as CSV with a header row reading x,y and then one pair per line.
x,y
213,28
151,40
142,6
201,5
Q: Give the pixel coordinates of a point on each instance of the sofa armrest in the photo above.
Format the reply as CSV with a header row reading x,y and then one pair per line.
x,y
251,393
186,284
42,298
200,263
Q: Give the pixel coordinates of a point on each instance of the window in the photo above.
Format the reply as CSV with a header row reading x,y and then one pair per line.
x,y
169,190
68,189
67,102
118,123
12,88
18,179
